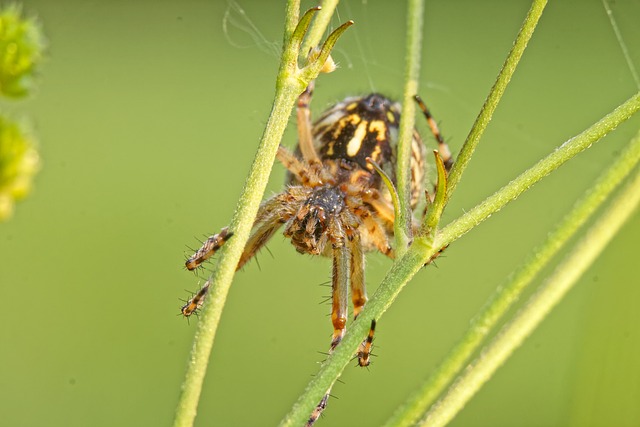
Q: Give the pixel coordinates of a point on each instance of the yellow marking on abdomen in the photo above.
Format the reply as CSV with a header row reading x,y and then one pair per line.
x,y
353,146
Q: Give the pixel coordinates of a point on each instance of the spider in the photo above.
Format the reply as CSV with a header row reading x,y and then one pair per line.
x,y
335,203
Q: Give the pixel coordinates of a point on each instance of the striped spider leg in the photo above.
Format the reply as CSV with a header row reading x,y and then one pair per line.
x,y
194,304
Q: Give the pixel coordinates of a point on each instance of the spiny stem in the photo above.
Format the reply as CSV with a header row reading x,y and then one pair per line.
x,y
506,296
548,296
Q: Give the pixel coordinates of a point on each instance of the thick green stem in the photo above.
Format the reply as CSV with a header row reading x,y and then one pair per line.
x,y
508,294
548,296
402,224
491,103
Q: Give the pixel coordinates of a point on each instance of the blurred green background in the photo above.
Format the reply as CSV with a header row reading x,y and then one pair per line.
x,y
149,113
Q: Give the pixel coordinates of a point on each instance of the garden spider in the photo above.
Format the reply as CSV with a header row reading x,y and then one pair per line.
x,y
335,203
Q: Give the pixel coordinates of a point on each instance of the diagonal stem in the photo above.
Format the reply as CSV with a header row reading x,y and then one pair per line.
x,y
491,103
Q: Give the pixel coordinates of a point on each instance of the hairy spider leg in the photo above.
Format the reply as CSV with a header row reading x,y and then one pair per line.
x,y
358,288
364,351
209,247
341,271
308,175
271,215
443,148
376,232
318,410
195,303
305,136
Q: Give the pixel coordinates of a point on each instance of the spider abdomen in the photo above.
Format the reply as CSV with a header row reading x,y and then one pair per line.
x,y
357,128
367,127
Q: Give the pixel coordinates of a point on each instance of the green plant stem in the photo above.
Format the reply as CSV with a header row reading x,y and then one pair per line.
x,y
545,166
402,223
225,267
292,16
508,294
423,248
491,103
291,81
548,296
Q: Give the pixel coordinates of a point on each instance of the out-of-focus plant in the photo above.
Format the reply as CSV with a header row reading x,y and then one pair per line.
x,y
21,51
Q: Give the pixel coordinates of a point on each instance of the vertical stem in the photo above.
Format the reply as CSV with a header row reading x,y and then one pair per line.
x,y
402,225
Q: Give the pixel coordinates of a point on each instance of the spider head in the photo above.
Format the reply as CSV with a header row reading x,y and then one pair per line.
x,y
308,228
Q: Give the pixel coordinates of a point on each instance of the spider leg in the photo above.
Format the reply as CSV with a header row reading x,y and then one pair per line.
x,y
271,215
443,148
374,229
384,209
358,288
305,136
339,291
209,247
364,351
340,280
359,296
308,175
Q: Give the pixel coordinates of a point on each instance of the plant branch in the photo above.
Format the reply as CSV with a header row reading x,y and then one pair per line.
x,y
491,103
507,294
545,166
584,253
402,224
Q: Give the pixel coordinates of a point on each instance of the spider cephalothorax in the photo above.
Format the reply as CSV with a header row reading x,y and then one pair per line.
x,y
335,203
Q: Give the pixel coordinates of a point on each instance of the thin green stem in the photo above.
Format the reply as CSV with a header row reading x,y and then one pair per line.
x,y
491,103
424,247
545,166
402,224
508,294
546,298
291,81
